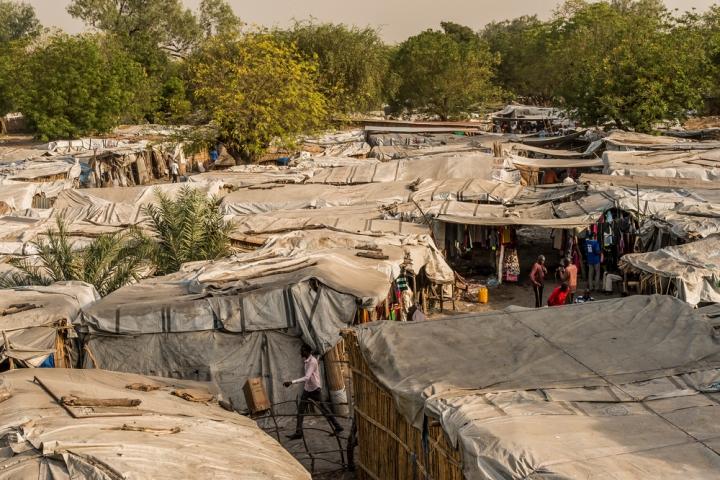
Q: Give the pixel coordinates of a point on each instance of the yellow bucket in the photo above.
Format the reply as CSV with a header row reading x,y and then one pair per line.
x,y
483,295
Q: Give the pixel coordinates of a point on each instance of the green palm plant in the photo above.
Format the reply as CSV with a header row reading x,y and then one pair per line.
x,y
186,229
108,262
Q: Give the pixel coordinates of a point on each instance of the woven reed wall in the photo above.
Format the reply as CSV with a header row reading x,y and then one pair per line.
x,y
389,447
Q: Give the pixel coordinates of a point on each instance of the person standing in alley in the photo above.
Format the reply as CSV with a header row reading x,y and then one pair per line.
x,y
174,171
311,392
592,255
537,277
571,278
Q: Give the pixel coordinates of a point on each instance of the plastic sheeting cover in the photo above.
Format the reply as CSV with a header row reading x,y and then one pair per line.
x,y
622,388
165,437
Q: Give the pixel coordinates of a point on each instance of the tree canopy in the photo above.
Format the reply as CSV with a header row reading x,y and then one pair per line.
x,y
18,26
79,85
625,62
257,90
352,62
525,65
445,73
621,63
17,21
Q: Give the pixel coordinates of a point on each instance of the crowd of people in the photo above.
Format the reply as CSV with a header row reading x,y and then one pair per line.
x,y
567,275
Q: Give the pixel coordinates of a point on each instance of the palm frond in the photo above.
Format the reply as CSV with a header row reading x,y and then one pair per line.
x,y
187,229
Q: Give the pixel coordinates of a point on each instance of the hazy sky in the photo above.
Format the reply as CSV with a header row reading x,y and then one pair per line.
x,y
398,19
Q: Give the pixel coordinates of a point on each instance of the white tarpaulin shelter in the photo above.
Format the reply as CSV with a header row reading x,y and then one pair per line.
x,y
517,161
621,389
17,195
703,165
99,425
623,141
37,169
693,268
291,197
37,321
246,316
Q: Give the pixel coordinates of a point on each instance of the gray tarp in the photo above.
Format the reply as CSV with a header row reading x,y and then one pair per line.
x,y
694,267
164,437
622,389
246,316
154,329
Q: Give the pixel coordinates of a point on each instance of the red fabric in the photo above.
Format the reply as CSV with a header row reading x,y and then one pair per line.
x,y
558,297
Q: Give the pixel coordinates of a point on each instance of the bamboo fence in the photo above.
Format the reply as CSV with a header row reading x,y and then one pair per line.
x,y
390,447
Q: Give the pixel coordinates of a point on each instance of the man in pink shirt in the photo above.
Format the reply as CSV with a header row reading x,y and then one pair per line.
x,y
311,392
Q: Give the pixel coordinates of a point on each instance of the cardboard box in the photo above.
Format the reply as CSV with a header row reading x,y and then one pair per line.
x,y
255,395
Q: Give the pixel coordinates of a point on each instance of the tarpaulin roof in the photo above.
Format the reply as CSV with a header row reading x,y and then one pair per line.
x,y
163,437
19,195
554,162
694,267
625,388
557,153
30,317
281,197
526,112
38,168
690,221
136,196
349,219
701,165
650,182
221,320
438,167
620,140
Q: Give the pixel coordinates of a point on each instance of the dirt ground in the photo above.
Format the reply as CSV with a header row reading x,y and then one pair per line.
x,y
520,294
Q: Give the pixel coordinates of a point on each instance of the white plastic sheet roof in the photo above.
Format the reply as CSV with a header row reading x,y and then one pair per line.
x,y
694,267
164,437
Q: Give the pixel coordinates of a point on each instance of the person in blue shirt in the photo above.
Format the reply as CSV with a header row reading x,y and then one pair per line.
x,y
592,255
214,155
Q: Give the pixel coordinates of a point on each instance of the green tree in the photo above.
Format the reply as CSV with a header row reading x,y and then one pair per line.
x,y
18,26
447,74
703,30
257,90
148,29
216,17
188,228
17,21
525,68
73,86
352,63
11,54
108,262
175,107
625,62
460,33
